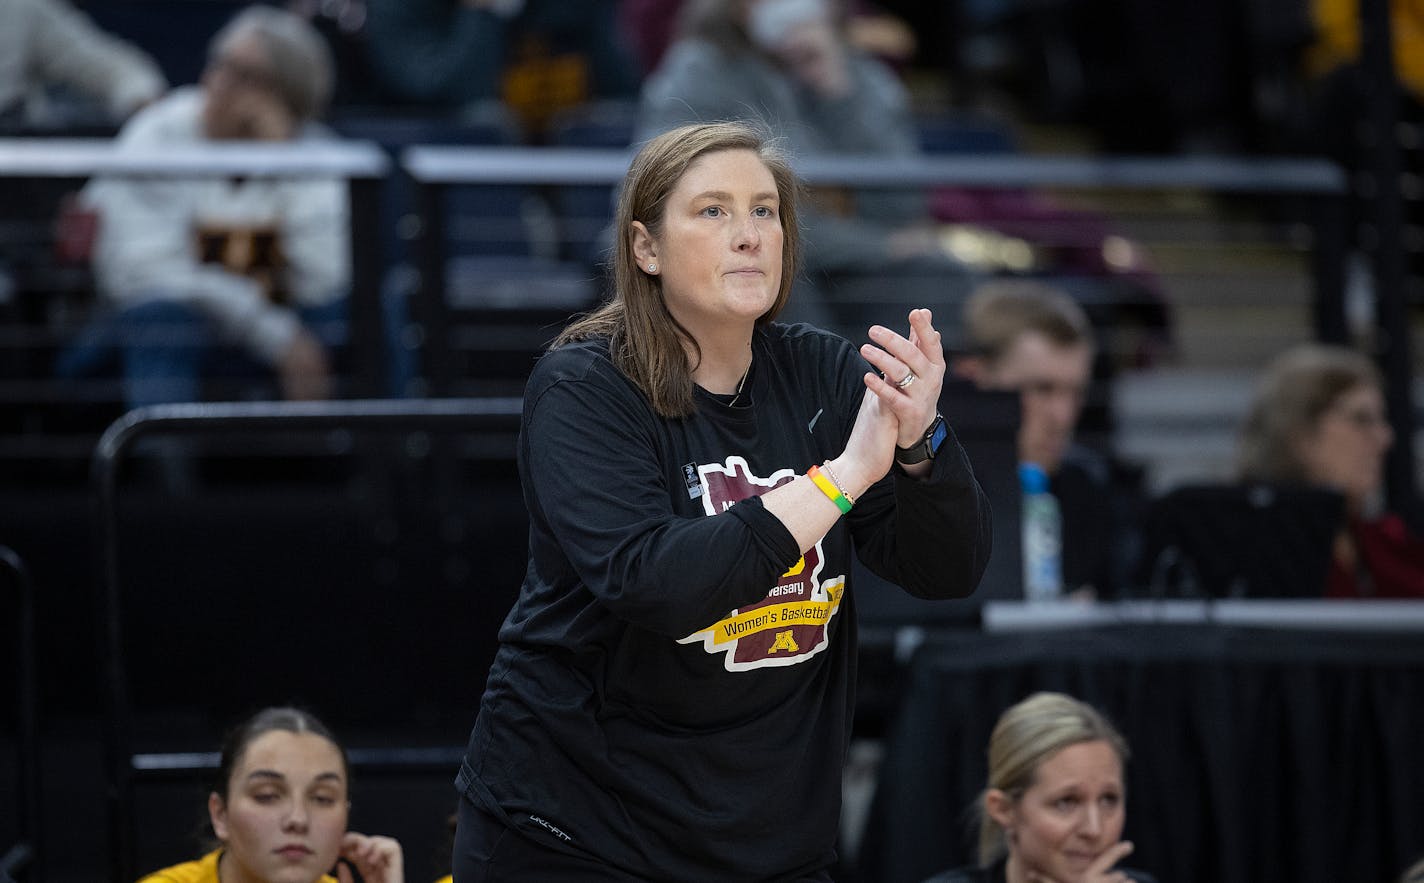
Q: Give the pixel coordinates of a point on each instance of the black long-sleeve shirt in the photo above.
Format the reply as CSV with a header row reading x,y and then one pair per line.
x,y
674,686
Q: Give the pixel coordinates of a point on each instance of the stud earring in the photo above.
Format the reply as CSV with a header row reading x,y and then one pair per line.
x,y
652,268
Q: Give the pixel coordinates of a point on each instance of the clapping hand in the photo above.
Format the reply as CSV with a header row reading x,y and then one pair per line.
x,y
911,374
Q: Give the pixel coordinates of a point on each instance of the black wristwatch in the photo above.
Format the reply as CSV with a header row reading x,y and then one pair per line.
x,y
928,446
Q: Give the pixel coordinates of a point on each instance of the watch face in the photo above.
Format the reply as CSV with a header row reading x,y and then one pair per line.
x,y
938,435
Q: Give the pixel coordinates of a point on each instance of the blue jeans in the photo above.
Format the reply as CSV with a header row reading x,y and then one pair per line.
x,y
164,350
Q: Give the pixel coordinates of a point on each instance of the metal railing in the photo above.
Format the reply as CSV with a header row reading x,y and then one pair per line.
x,y
123,766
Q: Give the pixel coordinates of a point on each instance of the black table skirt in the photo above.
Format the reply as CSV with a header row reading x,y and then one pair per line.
x,y
1259,755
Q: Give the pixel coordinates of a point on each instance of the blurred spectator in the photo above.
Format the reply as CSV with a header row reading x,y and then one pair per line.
x,y
789,65
1056,800
651,25
1319,418
539,56
207,278
1029,337
46,44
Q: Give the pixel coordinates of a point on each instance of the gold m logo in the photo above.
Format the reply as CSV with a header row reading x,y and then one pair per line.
x,y
784,641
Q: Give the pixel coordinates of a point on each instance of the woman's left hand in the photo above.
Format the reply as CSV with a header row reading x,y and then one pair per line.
x,y
377,859
919,356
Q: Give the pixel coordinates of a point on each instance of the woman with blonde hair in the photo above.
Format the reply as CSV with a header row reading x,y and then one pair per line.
x,y
1054,808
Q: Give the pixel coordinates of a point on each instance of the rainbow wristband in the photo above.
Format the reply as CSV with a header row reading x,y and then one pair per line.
x,y
826,470
829,488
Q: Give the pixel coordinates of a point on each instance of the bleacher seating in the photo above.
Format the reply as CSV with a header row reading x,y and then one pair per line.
x,y
44,252
174,32
585,211
489,220
498,242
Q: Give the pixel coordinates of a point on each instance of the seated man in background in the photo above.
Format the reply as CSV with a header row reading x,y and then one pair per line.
x,y
1036,340
224,278
46,44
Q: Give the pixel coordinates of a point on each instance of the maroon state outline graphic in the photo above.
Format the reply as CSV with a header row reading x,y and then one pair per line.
x,y
792,623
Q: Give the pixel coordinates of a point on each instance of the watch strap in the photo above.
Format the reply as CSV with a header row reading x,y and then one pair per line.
x,y
928,446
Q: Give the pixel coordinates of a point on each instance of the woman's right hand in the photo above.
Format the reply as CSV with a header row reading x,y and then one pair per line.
x,y
378,859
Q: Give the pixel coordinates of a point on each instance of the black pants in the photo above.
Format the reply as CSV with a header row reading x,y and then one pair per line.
x,y
487,851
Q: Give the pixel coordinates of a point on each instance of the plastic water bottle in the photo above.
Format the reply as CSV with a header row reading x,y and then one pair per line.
x,y
1042,536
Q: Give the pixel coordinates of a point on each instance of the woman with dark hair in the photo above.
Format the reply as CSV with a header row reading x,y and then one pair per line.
x,y
279,808
673,691
1319,418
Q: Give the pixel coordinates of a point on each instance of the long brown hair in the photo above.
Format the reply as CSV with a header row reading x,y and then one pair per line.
x,y
647,343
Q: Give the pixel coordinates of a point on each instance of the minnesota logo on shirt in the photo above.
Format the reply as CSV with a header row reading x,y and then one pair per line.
x,y
791,624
